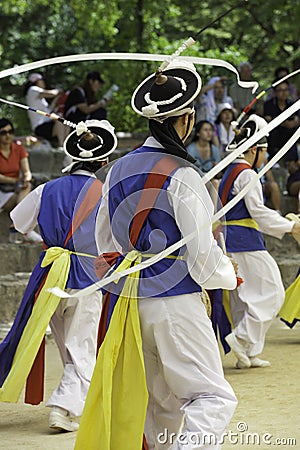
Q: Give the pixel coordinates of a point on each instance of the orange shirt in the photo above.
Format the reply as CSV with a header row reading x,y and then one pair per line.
x,y
11,167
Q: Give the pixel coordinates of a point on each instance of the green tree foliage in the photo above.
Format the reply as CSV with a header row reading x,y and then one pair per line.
x,y
265,33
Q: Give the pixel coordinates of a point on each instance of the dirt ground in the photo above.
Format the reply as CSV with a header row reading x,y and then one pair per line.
x,y
267,415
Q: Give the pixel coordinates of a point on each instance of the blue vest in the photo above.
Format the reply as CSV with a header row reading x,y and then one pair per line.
x,y
60,201
127,179
239,238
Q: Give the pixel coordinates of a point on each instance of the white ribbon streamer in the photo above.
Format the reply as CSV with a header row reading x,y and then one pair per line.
x,y
124,56
290,75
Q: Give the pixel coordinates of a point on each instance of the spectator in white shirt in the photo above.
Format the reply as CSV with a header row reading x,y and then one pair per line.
x,y
36,97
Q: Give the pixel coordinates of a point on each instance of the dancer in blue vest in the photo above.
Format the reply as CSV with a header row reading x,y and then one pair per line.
x,y
185,379
65,210
256,302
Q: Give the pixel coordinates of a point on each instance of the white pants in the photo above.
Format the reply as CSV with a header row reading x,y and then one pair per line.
x,y
187,389
257,300
75,327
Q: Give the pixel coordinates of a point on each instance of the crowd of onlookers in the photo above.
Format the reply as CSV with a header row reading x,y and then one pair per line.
x,y
78,104
75,105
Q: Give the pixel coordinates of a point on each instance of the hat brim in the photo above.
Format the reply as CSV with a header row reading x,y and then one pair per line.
x,y
249,128
192,80
109,144
225,109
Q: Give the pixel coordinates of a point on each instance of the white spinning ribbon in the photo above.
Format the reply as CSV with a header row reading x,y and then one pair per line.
x,y
125,56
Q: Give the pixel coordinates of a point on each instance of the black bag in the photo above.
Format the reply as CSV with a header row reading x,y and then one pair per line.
x,y
7,187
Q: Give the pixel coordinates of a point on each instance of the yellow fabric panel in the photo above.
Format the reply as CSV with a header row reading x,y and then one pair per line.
x,y
115,408
290,310
38,321
226,304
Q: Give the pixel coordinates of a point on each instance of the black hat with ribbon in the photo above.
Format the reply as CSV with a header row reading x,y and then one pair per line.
x,y
249,128
167,93
93,140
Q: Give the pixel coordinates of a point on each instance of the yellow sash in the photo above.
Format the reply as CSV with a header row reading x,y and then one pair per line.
x,y
38,321
248,222
226,305
115,409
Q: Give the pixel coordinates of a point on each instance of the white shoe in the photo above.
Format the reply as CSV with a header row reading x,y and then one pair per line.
x,y
239,351
257,362
33,236
60,419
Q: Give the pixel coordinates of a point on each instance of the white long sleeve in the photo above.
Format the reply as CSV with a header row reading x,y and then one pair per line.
x,y
25,214
103,235
193,210
269,221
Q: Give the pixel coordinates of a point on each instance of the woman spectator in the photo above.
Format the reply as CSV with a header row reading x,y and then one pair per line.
x,y
15,176
206,154
36,97
224,131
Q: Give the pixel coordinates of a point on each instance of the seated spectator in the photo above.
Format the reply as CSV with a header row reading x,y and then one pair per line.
x,y
15,177
206,154
224,131
211,96
36,97
293,181
281,134
82,103
279,73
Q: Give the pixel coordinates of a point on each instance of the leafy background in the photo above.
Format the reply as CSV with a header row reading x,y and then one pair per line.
x,y
265,33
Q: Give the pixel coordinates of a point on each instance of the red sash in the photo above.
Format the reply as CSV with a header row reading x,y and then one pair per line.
x,y
224,197
226,189
230,179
